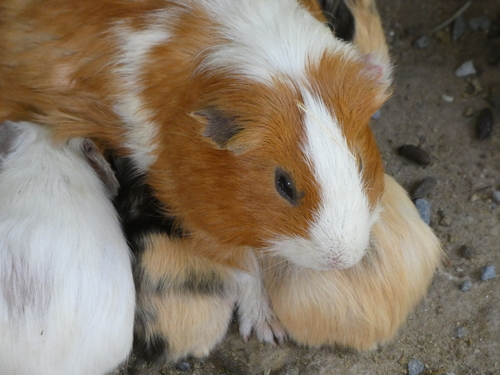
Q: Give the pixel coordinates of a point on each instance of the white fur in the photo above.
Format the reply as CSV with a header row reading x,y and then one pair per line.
x,y
66,288
135,45
254,308
340,232
269,39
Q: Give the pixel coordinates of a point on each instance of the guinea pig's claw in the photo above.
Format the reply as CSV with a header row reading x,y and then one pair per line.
x,y
270,332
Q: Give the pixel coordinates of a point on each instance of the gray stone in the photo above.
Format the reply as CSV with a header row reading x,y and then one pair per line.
x,y
415,367
467,252
377,115
461,332
424,209
480,23
488,272
458,28
466,69
422,42
496,196
184,367
466,286
424,188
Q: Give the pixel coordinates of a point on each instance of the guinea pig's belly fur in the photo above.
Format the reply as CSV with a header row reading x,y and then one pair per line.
x,y
362,306
67,293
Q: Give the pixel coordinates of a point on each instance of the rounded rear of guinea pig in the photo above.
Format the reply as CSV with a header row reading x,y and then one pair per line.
x,y
66,290
362,306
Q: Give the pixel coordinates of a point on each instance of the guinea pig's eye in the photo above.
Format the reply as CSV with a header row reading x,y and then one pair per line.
x,y
286,187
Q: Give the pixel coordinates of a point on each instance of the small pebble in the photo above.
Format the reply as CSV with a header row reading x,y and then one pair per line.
x,y
445,221
496,196
461,332
422,42
480,23
424,209
469,112
377,115
484,125
450,373
467,252
466,69
424,188
415,367
488,272
458,28
476,85
447,98
415,154
184,367
465,286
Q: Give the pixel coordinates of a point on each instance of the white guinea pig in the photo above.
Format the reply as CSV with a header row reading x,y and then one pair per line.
x,y
365,305
66,289
249,118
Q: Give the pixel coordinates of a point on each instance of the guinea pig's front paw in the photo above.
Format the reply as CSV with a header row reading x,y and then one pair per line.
x,y
255,312
267,330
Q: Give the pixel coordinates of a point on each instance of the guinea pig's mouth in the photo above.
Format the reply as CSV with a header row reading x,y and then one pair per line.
x,y
305,253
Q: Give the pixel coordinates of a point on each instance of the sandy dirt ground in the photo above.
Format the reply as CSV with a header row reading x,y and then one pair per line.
x,y
450,331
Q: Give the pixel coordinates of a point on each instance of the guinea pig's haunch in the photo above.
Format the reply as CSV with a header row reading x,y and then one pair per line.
x,y
249,119
66,290
184,302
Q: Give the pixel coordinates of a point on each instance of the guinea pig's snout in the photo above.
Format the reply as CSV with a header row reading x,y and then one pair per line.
x,y
344,255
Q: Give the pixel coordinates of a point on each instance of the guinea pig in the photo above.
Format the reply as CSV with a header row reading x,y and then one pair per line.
x,y
357,21
67,295
249,119
184,302
364,305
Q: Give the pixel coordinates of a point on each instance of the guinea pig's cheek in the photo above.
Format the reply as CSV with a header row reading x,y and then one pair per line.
x,y
299,251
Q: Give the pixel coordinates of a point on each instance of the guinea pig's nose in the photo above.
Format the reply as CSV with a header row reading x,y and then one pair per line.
x,y
335,261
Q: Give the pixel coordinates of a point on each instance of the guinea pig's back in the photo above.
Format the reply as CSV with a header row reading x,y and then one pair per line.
x,y
67,294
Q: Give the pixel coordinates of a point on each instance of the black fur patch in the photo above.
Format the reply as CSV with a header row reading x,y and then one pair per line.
x,y
220,127
153,350
204,283
340,19
140,212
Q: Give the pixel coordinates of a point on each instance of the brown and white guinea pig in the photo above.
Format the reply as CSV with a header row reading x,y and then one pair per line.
x,y
184,302
364,305
66,289
249,119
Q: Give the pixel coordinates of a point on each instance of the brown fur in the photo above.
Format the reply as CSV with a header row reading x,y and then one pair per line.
x,y
362,306
369,36
57,68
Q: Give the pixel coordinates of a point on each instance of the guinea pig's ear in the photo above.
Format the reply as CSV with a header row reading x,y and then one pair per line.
x,y
8,135
379,70
101,166
219,129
